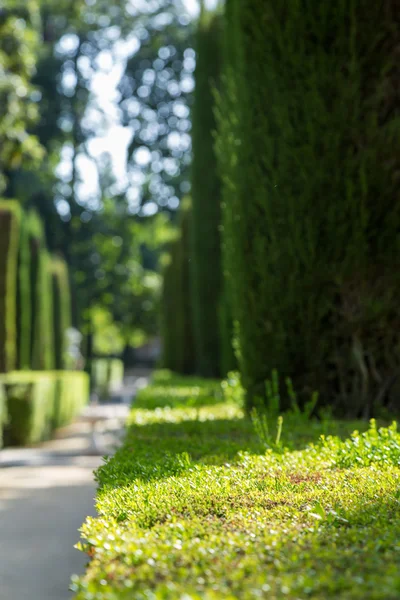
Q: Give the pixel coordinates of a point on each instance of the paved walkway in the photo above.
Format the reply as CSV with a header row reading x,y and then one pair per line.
x,y
45,495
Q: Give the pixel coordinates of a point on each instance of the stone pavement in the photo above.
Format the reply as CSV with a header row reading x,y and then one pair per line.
x,y
46,493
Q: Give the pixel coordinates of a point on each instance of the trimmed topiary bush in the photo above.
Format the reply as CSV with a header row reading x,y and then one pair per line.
x,y
308,146
10,218
193,506
72,394
61,310
206,200
30,406
38,402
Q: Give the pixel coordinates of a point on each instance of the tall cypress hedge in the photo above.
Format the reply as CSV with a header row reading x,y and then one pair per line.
x,y
177,323
61,310
24,298
42,335
309,150
206,201
10,217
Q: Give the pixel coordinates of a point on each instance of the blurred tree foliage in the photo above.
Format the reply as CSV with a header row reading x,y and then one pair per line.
x,y
156,94
19,42
50,52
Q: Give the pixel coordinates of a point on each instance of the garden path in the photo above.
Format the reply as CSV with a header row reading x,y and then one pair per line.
x,y
46,493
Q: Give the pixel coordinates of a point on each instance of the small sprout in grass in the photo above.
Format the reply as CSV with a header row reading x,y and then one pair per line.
x,y
279,431
262,430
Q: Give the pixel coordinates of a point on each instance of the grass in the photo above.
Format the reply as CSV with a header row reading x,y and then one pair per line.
x,y
194,506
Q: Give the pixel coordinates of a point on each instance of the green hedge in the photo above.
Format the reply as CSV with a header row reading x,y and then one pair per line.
x,y
42,298
309,149
72,394
10,217
228,360
61,310
177,315
3,413
106,374
24,298
170,358
206,201
38,402
168,389
193,507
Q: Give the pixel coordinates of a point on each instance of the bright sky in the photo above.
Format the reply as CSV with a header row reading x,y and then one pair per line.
x,y
116,138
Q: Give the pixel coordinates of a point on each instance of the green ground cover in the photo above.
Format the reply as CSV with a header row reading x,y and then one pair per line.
x,y
196,505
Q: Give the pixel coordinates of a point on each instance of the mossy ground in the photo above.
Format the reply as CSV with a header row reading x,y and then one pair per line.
x,y
193,506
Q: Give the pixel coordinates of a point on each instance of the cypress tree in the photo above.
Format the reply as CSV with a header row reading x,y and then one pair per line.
x,y
308,147
61,310
10,218
206,200
177,323
24,298
42,335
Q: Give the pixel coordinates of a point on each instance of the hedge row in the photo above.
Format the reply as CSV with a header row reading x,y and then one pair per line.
x,y
198,339
35,314
192,507
206,270
309,150
33,286
10,218
36,403
62,315
177,322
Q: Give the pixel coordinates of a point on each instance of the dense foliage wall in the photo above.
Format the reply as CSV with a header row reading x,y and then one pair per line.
x,y
42,335
24,297
206,201
61,310
308,147
34,295
177,322
10,217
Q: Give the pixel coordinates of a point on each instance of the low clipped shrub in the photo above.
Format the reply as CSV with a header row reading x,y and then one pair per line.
x,y
172,390
193,506
30,404
38,402
72,394
377,446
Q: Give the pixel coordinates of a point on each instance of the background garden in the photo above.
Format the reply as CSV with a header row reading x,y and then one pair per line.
x,y
252,225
